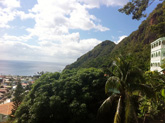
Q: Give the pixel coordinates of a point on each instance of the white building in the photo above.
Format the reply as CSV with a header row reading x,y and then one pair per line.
x,y
157,54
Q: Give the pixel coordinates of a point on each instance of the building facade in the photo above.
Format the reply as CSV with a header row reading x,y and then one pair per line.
x,y
157,54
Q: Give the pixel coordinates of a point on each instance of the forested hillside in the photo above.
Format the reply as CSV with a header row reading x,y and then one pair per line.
x,y
137,44
94,58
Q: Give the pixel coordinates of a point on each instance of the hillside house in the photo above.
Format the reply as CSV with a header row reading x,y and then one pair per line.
x,y
157,54
5,111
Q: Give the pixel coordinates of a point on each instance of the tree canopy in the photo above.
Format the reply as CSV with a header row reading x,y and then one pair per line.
x,y
136,8
72,96
18,97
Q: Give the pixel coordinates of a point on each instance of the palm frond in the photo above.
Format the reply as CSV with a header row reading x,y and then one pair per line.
x,y
107,110
119,71
144,89
117,118
135,75
107,104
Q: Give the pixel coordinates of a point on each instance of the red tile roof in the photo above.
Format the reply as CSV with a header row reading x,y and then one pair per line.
x,y
6,108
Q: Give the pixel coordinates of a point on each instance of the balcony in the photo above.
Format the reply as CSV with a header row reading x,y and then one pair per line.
x,y
156,48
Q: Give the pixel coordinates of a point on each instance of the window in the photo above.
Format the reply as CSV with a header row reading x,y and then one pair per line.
x,y
163,42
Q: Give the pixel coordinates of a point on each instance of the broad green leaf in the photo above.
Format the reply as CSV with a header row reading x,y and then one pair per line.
x,y
163,93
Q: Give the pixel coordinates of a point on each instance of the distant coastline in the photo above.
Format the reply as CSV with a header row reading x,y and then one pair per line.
x,y
27,68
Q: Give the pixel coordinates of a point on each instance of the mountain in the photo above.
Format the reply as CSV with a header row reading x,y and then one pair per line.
x,y
137,44
95,57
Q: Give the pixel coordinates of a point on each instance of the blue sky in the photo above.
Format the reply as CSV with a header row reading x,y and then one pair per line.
x,y
60,31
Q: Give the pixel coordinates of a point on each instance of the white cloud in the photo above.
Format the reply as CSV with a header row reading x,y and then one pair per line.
x,y
98,3
114,2
10,4
120,39
18,50
54,20
7,11
7,37
58,17
46,50
24,16
101,28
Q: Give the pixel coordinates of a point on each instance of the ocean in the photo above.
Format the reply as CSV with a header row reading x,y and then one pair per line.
x,y
27,68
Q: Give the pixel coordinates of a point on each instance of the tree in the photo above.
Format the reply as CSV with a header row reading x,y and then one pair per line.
x,y
137,8
18,97
154,107
72,96
163,64
124,88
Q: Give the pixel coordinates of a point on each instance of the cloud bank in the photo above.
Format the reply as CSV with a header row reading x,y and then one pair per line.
x,y
52,31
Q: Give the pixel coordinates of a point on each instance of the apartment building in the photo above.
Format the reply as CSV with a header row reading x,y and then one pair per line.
x,y
157,54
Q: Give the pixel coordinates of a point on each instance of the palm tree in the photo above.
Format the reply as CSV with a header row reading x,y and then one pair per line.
x,y
124,88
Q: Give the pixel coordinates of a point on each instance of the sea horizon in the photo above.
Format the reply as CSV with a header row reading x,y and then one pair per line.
x,y
28,68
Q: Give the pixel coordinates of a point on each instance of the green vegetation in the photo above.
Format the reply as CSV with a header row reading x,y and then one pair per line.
x,y
94,58
74,96
136,8
154,107
18,97
163,64
70,97
125,86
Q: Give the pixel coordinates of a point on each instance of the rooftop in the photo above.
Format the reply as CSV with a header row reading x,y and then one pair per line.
x,y
5,109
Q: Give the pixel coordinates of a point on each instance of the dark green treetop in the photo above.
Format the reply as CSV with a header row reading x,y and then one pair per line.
x,y
72,96
136,8
18,97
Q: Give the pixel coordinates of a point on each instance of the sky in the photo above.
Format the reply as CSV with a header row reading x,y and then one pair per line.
x,y
60,31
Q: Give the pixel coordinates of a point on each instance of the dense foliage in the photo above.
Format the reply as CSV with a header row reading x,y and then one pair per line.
x,y
18,97
74,96
154,107
94,58
125,87
68,97
136,8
